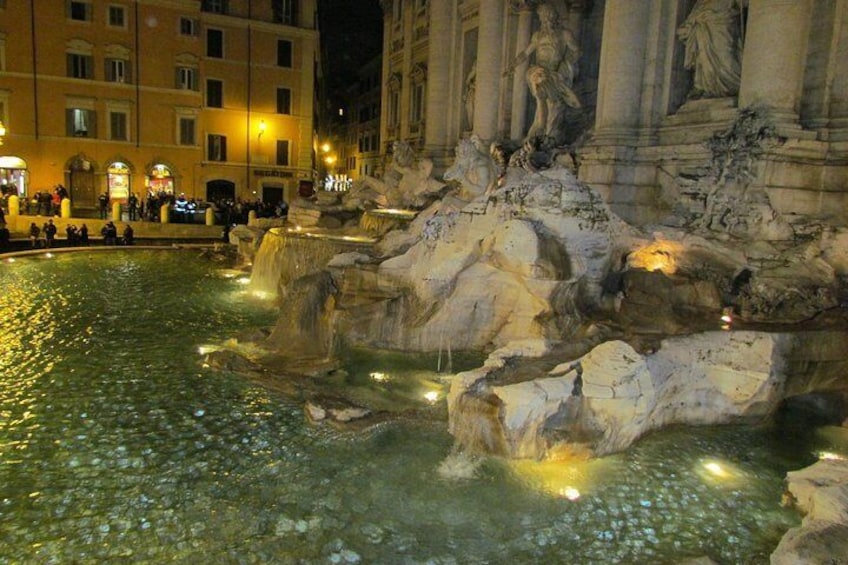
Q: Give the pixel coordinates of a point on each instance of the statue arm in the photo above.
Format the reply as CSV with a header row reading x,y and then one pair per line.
x,y
522,57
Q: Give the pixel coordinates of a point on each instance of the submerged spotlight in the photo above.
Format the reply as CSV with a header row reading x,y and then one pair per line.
x,y
715,469
570,493
243,280
379,377
431,396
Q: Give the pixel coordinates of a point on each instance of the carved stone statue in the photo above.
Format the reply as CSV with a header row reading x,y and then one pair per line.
x,y
474,168
407,182
711,34
551,76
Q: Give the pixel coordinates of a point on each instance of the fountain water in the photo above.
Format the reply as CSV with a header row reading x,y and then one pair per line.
x,y
288,254
379,221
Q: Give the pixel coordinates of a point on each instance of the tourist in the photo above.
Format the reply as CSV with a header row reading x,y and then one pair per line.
x,y
71,235
83,235
132,204
49,233
109,233
103,199
129,235
5,237
34,233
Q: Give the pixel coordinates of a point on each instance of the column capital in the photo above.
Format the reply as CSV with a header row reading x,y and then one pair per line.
x,y
523,5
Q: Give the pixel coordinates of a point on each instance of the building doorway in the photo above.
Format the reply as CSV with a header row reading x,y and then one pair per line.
x,y
219,190
13,177
272,194
81,190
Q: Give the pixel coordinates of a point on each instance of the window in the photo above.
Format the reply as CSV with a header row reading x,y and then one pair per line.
x,y
394,108
2,50
215,43
285,11
79,11
284,101
118,126
416,111
117,16
117,70
214,6
81,122
188,127
284,53
217,147
214,93
283,152
80,66
186,78
188,26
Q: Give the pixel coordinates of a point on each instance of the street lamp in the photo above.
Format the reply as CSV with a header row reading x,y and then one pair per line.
x,y
262,128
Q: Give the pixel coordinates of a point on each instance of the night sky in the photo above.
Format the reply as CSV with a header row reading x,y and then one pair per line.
x,y
351,34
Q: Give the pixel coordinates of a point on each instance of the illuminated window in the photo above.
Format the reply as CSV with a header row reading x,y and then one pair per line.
x,y
216,149
117,70
80,122
186,78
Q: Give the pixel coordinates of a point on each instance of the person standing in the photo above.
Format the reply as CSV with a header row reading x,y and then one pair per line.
x,y
132,204
129,235
83,235
49,233
104,205
34,232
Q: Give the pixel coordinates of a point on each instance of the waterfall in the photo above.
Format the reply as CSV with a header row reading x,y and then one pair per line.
x,y
379,222
286,255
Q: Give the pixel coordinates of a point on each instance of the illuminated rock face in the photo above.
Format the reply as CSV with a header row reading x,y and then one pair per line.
x,y
606,399
821,493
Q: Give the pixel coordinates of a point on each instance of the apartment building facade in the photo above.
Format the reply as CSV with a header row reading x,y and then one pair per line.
x,y
212,99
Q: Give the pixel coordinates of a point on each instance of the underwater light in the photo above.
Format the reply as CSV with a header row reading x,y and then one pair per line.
x,y
206,349
10,260
48,255
830,456
379,377
261,294
243,280
431,396
570,493
715,469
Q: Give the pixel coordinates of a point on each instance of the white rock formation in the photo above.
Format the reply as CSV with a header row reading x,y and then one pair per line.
x,y
613,395
821,493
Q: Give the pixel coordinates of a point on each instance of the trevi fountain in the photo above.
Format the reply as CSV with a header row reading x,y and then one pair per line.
x,y
498,356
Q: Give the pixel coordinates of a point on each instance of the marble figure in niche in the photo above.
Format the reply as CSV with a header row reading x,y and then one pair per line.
x,y
551,76
712,36
468,94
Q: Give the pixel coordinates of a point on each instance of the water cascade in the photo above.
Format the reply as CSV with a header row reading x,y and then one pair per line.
x,y
380,221
289,254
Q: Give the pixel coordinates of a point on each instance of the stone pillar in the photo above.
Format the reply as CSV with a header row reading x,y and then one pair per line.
x,y
518,121
66,208
621,71
165,213
774,55
210,216
489,68
116,211
438,76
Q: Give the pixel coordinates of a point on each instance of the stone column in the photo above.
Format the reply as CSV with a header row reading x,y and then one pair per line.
x,y
621,71
438,77
774,54
489,68
518,121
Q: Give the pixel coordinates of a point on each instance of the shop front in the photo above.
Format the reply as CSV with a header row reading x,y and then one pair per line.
x,y
118,181
160,179
13,176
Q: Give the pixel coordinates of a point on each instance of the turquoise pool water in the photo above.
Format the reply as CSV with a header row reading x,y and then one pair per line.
x,y
117,446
